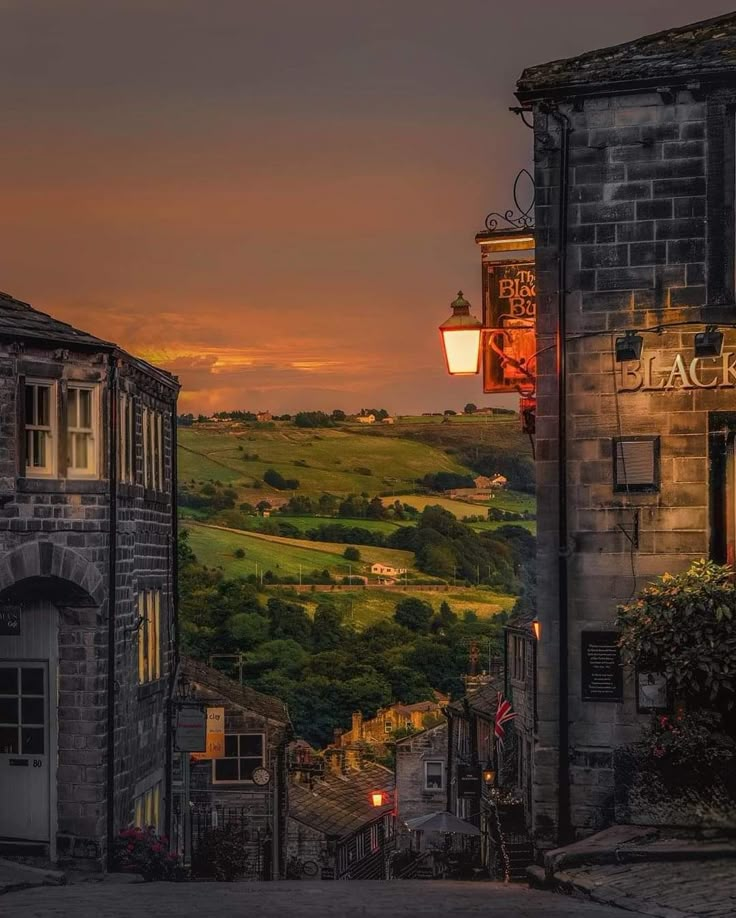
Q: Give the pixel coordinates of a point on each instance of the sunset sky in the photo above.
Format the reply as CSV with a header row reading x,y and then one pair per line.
x,y
275,200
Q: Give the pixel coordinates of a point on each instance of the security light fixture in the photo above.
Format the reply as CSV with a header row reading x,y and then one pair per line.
x,y
629,347
461,337
709,343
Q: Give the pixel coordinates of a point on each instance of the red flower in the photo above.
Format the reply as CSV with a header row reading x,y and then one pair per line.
x,y
131,847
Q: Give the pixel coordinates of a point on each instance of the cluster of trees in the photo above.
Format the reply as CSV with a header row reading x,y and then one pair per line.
x,y
322,666
212,497
446,481
277,480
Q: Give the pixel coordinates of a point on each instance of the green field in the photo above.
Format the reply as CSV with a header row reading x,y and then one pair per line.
x,y
504,500
305,523
216,547
337,461
365,607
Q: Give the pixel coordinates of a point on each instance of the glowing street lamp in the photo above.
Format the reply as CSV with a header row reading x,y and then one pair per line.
x,y
461,335
379,798
489,773
537,628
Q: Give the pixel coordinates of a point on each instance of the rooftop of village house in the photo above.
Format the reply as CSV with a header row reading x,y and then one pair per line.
x,y
20,321
340,802
241,695
483,701
700,49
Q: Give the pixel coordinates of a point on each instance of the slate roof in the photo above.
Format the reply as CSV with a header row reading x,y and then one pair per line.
x,y
339,804
20,321
483,701
241,695
698,50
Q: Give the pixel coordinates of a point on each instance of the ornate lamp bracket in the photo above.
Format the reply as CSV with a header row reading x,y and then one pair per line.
x,y
520,216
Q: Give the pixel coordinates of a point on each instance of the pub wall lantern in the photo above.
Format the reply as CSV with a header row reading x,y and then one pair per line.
x,y
537,628
461,338
380,798
489,773
629,347
709,343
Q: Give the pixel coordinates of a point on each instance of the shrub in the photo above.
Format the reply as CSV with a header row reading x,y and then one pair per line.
x,y
239,553
143,851
351,554
688,738
221,854
685,627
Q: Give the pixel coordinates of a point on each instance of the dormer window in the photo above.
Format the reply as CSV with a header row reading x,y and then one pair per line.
x,y
40,428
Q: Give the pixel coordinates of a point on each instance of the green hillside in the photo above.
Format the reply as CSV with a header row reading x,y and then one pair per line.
x,y
331,461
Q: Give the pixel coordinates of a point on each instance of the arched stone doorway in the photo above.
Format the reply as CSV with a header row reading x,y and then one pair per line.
x,y
53,702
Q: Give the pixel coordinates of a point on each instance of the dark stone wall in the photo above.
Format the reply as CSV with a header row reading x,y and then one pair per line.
x,y
55,538
642,194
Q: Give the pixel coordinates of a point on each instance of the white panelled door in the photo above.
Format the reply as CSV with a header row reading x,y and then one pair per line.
x,y
24,751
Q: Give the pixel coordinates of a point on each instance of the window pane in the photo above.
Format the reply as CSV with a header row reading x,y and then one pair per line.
x,y
8,710
32,710
43,414
31,681
29,413
81,451
8,680
231,746
37,452
226,769
72,406
251,744
247,767
8,740
85,408
32,741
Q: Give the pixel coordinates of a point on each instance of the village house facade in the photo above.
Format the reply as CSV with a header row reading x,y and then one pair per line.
x,y
421,776
635,240
395,718
335,826
222,791
87,588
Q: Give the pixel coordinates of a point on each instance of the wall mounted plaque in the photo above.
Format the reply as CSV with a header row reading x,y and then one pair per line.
x,y
9,620
601,668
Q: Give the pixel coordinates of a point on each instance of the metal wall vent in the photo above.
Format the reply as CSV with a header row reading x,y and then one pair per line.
x,y
636,463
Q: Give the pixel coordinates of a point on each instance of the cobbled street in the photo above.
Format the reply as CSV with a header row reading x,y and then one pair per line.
x,y
307,900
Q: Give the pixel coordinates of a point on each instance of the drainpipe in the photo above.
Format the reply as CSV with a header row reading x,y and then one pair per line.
x,y
111,584
564,827
174,593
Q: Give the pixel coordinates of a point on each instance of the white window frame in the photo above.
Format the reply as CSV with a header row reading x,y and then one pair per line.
x,y
50,469
93,432
239,780
434,790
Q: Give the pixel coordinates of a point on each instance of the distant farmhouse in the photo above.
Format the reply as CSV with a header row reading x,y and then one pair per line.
x,y
386,570
366,418
264,416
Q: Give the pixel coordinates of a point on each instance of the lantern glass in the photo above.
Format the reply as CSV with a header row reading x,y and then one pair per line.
x,y
537,628
377,798
462,350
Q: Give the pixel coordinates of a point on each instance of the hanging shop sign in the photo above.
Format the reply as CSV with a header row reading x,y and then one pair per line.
x,y
510,315
215,745
653,373
600,664
190,732
9,620
468,780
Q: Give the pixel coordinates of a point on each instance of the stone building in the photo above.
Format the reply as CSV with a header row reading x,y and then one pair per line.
x,y
377,731
87,587
634,168
421,775
335,826
257,730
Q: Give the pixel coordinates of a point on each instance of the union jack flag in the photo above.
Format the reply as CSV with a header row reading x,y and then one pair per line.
x,y
503,715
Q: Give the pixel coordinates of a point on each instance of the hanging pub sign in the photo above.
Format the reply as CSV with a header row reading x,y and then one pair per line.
x,y
9,620
601,668
468,780
509,310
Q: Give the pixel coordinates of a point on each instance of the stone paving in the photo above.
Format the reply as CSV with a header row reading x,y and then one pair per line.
x,y
684,889
357,899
